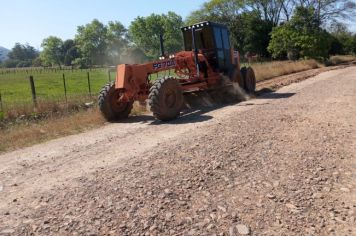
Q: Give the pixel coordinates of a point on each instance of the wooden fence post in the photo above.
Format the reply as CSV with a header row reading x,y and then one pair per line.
x,y
1,106
33,91
109,75
89,84
65,87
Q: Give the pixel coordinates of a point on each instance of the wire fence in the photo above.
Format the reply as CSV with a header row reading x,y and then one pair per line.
x,y
37,90
24,91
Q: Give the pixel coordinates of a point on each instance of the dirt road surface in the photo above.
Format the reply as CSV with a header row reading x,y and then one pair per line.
x,y
281,164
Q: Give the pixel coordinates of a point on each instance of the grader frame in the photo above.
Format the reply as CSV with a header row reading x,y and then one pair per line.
x,y
207,57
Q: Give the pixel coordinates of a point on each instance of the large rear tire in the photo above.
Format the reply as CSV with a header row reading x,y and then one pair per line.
x,y
249,79
166,99
110,106
237,77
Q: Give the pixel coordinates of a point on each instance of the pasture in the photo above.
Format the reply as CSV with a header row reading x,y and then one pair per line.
x,y
49,84
51,94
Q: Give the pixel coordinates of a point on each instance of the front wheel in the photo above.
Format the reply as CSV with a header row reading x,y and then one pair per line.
x,y
249,79
110,105
166,99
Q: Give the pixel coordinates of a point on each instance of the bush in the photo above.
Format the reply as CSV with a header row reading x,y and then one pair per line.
x,y
81,63
293,55
24,64
11,63
302,35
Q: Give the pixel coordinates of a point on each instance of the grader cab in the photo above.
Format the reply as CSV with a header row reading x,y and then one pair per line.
x,y
208,57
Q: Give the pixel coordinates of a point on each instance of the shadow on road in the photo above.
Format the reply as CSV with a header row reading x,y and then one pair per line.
x,y
197,113
276,95
271,94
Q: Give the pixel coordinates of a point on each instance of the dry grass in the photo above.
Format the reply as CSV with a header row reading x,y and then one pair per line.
x,y
273,69
22,135
61,120
335,60
46,106
27,131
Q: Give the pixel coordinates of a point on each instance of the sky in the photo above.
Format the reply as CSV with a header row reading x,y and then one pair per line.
x,y
30,21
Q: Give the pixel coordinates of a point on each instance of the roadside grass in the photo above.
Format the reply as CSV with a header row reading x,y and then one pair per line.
x,y
16,97
268,70
21,125
277,68
336,60
31,132
15,87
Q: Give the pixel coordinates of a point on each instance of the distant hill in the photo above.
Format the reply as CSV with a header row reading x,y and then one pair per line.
x,y
3,53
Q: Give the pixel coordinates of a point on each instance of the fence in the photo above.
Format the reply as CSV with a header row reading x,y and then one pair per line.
x,y
23,91
45,89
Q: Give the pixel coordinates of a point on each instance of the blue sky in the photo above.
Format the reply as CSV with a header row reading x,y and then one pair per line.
x,y
30,21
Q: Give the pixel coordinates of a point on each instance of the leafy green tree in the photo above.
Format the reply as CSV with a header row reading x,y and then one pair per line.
x,y
253,33
145,32
52,53
221,11
69,52
116,42
37,62
353,46
21,56
23,52
91,40
249,30
302,34
343,40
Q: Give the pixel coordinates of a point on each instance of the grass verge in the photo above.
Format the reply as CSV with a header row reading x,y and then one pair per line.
x,y
58,120
277,68
273,69
28,133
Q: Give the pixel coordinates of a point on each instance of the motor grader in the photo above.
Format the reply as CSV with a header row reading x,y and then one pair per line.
x,y
207,59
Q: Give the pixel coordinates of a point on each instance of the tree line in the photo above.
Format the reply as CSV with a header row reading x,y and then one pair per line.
x,y
270,28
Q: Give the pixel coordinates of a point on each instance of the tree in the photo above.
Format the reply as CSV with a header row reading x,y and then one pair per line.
x,y
91,40
249,30
330,10
270,10
221,11
23,52
145,32
344,41
70,52
52,53
117,42
256,33
21,56
301,35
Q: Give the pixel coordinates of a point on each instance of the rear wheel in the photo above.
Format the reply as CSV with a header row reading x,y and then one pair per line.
x,y
236,77
110,105
249,79
166,99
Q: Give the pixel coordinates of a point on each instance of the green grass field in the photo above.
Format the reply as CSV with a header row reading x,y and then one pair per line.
x,y
15,86
16,91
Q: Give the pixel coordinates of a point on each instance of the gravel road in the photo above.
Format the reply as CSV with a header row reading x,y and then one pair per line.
x,y
281,164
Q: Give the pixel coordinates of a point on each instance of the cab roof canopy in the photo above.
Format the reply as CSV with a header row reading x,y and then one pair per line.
x,y
202,25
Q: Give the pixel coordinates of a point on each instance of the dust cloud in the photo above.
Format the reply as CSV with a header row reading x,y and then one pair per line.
x,y
228,92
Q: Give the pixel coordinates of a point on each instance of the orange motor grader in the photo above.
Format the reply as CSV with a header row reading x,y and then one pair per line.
x,y
208,59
